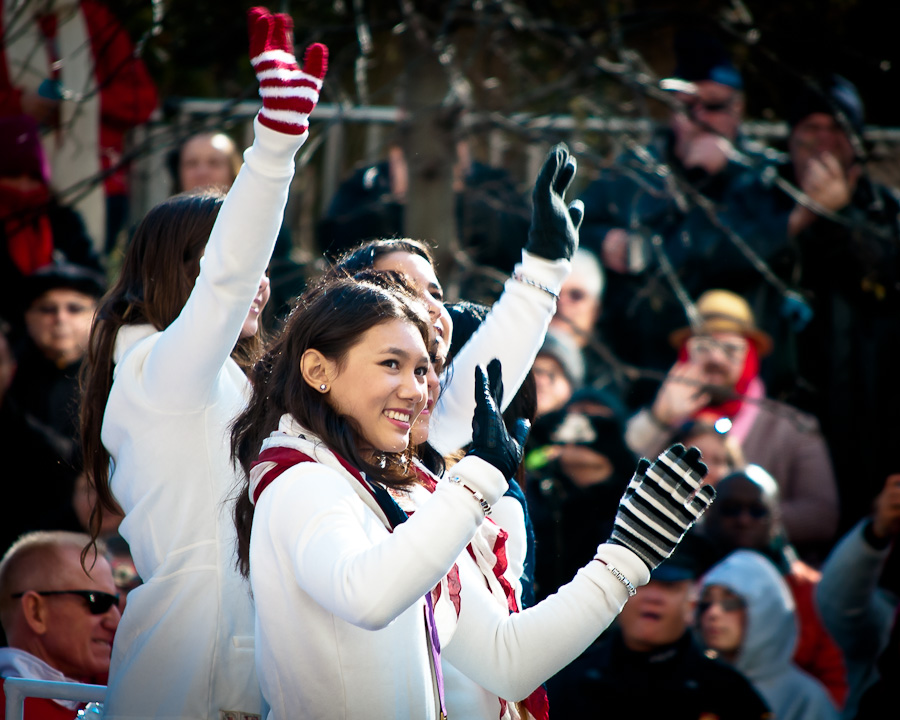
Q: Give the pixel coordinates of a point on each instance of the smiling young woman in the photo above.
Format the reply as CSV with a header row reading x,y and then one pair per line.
x,y
358,561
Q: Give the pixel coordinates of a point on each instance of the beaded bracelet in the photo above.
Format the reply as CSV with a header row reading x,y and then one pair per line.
x,y
485,505
534,283
620,576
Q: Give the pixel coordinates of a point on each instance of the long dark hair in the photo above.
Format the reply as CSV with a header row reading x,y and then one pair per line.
x,y
362,258
161,265
331,317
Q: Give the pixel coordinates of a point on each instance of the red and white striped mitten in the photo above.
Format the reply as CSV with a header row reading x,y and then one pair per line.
x,y
288,93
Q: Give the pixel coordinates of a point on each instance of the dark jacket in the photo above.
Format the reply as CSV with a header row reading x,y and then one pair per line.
x,y
641,309
676,682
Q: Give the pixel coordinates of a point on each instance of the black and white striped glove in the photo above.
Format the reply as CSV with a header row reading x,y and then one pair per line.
x,y
662,501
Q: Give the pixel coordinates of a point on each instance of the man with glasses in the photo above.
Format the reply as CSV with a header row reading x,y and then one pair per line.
x,y
59,620
664,214
716,378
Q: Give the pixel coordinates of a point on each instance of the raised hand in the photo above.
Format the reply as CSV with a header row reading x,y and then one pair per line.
x,y
490,439
288,93
682,394
554,225
662,501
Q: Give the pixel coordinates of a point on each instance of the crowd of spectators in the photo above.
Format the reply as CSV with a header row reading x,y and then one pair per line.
x,y
707,305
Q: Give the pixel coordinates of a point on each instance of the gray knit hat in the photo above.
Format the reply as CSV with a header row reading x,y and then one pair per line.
x,y
562,348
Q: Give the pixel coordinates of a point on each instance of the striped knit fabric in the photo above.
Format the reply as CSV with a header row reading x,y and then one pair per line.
x,y
288,93
662,501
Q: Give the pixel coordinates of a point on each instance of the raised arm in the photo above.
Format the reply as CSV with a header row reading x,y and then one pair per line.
x,y
184,364
512,654
514,330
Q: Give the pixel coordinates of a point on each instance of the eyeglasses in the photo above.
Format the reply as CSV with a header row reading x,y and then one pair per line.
x,y
702,346
97,602
730,604
733,510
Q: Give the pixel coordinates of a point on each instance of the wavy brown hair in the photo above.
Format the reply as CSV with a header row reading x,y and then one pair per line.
x,y
331,317
161,265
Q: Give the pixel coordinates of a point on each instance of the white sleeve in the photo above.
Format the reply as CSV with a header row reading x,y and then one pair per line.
x,y
512,654
513,332
507,512
181,370
314,516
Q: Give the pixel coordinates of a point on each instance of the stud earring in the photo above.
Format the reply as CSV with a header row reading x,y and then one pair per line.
x,y
323,387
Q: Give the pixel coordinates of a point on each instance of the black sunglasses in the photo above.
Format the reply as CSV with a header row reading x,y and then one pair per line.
x,y
97,602
733,510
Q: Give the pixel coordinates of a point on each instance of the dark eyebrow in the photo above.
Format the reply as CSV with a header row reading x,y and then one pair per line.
x,y
402,353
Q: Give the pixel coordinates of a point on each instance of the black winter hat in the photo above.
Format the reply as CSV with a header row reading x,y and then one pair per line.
x,y
699,55
64,276
835,96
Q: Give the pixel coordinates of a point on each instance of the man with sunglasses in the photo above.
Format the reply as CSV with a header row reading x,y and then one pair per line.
x,y
665,213
59,620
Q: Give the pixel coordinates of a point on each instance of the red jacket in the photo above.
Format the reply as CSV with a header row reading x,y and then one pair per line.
x,y
127,93
816,651
38,708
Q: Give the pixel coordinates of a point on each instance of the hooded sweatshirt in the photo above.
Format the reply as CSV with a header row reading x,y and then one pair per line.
x,y
770,635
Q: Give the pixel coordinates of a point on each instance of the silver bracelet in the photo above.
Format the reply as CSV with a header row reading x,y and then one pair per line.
x,y
620,576
485,505
534,283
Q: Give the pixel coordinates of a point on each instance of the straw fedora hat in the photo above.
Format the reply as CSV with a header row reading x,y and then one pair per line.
x,y
723,311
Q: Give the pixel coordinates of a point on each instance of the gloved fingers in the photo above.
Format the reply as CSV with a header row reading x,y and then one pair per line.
x,y
701,501
521,430
692,458
671,475
564,176
283,33
495,381
261,28
576,213
547,174
482,390
315,60
638,477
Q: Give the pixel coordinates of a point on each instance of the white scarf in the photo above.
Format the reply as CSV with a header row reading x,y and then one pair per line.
x,y
15,663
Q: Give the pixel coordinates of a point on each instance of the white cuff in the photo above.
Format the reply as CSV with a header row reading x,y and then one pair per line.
x,y
550,273
272,153
481,476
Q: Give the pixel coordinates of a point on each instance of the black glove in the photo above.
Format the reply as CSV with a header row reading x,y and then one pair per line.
x,y
554,227
661,503
490,439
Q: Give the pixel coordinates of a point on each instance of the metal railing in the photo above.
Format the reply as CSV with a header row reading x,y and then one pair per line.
x,y
17,689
